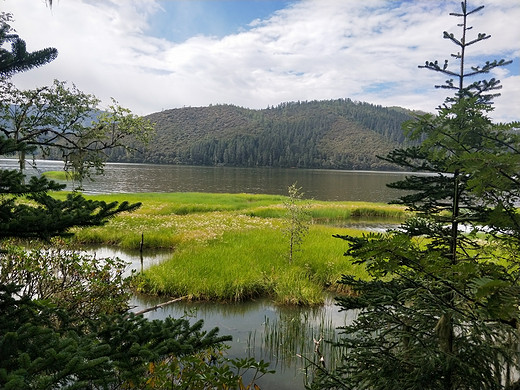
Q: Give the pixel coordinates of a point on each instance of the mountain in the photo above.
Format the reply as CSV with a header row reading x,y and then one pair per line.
x,y
333,134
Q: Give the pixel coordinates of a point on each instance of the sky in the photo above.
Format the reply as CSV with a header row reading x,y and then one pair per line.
x,y
152,55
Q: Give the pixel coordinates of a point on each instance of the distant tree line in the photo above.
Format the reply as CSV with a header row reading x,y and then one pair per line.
x,y
332,134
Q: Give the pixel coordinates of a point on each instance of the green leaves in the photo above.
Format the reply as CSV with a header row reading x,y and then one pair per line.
x,y
112,351
63,323
296,220
47,217
63,122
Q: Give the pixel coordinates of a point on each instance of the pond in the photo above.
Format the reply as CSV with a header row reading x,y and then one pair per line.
x,y
282,336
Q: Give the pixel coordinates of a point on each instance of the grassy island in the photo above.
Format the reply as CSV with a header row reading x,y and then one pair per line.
x,y
61,175
231,247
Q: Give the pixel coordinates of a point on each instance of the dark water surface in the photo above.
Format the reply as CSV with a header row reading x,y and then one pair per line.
x,y
281,335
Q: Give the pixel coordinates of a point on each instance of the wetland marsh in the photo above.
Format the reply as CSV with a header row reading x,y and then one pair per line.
x,y
225,252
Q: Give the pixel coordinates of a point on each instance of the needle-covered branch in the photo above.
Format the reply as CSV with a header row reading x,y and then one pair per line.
x,y
440,308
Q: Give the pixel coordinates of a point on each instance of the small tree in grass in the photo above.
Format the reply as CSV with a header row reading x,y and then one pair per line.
x,y
297,219
441,309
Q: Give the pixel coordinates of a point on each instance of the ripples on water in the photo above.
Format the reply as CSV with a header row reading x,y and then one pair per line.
x,y
318,184
283,336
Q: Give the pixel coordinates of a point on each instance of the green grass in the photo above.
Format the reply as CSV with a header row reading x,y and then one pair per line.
x,y
168,219
337,211
231,247
60,175
183,203
253,263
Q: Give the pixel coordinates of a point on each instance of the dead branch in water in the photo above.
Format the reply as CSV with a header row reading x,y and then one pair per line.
x,y
158,306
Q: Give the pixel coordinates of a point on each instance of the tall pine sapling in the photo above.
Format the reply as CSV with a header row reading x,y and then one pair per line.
x,y
296,220
441,309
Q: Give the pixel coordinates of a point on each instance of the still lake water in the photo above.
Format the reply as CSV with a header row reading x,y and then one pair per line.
x,y
316,183
259,329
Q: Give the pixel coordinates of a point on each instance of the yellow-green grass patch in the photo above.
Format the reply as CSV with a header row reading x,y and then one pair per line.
x,y
253,263
61,175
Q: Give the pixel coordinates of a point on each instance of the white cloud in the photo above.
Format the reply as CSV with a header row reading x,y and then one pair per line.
x,y
313,49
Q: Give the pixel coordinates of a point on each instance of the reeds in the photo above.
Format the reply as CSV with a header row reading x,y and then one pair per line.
x,y
253,263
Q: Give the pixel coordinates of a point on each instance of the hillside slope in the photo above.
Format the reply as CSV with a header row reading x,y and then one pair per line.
x,y
334,134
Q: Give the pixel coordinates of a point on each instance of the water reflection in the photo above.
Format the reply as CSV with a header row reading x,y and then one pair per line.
x,y
259,329
283,336
136,260
319,184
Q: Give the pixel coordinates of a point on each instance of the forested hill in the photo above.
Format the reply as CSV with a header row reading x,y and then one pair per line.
x,y
337,134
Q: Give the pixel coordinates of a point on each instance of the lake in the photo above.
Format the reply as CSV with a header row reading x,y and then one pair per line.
x,y
281,335
315,183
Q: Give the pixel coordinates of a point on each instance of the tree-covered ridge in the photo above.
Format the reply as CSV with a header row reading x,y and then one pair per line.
x,y
337,134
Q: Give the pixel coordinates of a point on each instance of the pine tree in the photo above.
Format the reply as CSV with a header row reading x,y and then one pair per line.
x,y
441,310
44,348
47,118
18,59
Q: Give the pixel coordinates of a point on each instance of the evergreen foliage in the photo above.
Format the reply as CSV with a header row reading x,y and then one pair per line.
x,y
442,309
337,134
50,217
297,219
60,119
44,348
18,59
